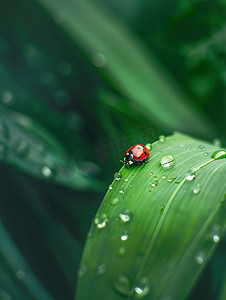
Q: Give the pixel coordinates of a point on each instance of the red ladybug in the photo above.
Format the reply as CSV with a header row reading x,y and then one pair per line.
x,y
135,155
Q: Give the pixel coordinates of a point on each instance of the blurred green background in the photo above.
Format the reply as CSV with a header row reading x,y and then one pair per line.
x,y
81,81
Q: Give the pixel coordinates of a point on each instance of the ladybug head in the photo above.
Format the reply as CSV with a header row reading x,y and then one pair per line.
x,y
128,159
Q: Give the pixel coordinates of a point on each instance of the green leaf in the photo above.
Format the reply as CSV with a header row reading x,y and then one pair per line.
x,y
158,224
28,146
133,71
17,280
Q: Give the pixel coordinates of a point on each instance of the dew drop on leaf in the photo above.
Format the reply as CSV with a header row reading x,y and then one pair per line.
x,y
162,138
110,187
121,251
217,142
22,148
155,183
167,161
197,189
124,236
82,271
201,147
125,216
46,172
219,154
101,269
117,176
122,285
114,201
149,146
122,191
142,288
205,153
190,176
7,97
99,60
199,258
216,238
20,274
101,221
164,177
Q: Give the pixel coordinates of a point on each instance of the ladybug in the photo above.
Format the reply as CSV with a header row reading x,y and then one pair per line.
x,y
135,155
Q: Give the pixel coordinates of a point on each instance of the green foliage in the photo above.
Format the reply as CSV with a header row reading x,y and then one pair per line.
x,y
159,234
81,81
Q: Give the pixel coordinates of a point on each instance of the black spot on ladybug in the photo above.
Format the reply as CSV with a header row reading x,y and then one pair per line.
x,y
145,153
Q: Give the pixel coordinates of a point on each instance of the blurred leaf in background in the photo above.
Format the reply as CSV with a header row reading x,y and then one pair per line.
x,y
81,81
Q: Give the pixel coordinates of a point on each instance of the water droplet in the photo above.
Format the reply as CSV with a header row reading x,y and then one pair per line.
x,y
114,201
162,138
199,258
201,147
217,142
7,97
99,60
190,176
197,188
149,146
219,154
22,148
46,172
125,216
167,161
117,176
142,289
155,183
164,177
171,179
110,187
151,173
126,180
205,153
122,191
101,221
82,271
121,251
216,238
188,148
64,68
125,236
20,274
101,269
122,285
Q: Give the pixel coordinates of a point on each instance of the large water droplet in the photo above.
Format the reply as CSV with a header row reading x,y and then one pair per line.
x,y
111,187
101,269
82,271
190,176
46,172
162,138
122,285
167,161
142,289
164,177
216,238
219,154
117,176
101,221
125,216
197,188
149,146
114,201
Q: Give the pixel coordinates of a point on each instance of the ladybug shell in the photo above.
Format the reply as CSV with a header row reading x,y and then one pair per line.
x,y
140,152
